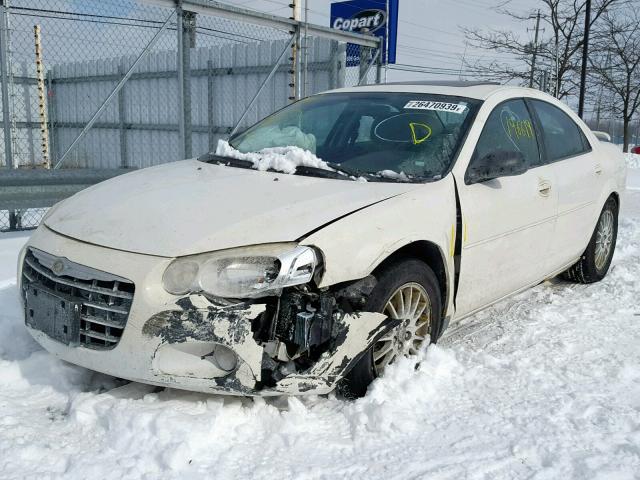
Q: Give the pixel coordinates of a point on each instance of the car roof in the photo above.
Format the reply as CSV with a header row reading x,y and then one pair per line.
x,y
477,90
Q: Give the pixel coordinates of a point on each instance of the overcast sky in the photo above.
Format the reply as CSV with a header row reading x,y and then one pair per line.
x,y
429,31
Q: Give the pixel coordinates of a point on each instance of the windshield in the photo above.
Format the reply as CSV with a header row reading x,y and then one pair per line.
x,y
394,135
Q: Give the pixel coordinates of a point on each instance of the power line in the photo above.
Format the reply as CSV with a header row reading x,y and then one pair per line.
x,y
451,73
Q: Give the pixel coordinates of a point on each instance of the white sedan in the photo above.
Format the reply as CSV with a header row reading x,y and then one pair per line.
x,y
313,249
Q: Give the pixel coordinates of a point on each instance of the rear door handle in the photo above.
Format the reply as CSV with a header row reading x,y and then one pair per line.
x,y
544,188
598,169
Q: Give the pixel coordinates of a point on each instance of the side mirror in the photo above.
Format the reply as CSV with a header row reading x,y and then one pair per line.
x,y
500,163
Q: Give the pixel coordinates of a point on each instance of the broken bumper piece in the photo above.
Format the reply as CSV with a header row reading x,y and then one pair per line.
x,y
218,345
214,351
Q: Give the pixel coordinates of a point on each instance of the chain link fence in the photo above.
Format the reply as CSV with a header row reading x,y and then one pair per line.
x,y
21,219
132,83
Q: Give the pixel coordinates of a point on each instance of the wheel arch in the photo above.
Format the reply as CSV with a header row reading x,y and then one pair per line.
x,y
602,201
431,254
616,196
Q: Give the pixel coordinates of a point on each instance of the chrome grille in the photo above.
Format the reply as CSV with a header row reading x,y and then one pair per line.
x,y
104,300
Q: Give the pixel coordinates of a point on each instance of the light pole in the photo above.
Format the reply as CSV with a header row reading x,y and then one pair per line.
x,y
585,57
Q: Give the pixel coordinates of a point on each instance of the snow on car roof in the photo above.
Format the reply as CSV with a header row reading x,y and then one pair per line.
x,y
478,90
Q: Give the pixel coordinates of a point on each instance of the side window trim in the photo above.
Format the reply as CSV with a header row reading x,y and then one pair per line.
x,y
542,147
586,145
542,152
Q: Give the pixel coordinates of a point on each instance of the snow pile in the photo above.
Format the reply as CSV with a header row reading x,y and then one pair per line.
x,y
633,160
393,175
543,385
281,159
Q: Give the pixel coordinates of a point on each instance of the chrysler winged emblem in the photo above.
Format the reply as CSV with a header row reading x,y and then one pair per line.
x,y
57,267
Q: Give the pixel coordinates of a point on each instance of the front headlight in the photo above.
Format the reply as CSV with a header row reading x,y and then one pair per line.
x,y
241,273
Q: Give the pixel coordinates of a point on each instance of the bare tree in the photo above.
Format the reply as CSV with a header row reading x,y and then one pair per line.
x,y
563,21
616,63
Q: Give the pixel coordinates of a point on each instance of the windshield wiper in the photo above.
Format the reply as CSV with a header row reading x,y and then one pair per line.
x,y
300,169
377,177
226,161
324,173
353,172
338,171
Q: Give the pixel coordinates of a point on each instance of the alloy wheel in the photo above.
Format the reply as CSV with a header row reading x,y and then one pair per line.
x,y
411,305
604,239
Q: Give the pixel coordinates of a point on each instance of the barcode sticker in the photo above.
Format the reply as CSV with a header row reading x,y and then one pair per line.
x,y
439,106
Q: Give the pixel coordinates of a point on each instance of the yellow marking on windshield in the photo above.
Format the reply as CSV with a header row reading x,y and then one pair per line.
x,y
419,139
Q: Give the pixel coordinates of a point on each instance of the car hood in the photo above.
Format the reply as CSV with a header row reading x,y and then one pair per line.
x,y
189,207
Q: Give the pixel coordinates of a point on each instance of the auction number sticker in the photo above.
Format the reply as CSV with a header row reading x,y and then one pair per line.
x,y
439,106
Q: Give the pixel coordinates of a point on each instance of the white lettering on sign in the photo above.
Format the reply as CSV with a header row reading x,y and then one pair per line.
x,y
439,106
371,19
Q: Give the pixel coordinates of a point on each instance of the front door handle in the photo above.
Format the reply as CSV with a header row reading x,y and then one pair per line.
x,y
544,188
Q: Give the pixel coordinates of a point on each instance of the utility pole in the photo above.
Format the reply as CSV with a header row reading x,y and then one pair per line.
x,y
599,107
556,86
464,55
585,57
535,50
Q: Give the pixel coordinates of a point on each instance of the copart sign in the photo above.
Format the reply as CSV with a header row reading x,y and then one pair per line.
x,y
369,16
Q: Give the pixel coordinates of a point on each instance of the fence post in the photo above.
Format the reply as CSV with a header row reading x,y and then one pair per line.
x,y
298,62
122,132
365,59
4,78
186,40
15,220
210,113
51,98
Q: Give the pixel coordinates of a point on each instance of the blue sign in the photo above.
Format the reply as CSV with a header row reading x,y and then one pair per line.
x,y
369,16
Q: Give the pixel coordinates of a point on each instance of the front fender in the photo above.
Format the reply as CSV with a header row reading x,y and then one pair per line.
x,y
355,245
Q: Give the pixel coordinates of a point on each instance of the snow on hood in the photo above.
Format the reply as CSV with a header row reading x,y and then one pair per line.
x,y
281,159
189,207
393,174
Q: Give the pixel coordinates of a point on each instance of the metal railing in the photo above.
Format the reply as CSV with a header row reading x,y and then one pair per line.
x,y
26,195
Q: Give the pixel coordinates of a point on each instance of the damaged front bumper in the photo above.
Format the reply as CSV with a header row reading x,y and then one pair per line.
x,y
192,337
193,343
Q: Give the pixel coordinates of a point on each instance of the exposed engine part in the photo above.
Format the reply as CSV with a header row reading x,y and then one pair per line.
x,y
305,320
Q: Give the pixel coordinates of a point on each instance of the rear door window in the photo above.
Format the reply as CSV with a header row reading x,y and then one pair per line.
x,y
561,135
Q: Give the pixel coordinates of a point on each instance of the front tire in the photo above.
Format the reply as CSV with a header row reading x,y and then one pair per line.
x,y
596,259
409,291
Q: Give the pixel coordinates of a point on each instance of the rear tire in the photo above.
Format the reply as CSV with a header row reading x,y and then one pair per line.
x,y
596,259
415,277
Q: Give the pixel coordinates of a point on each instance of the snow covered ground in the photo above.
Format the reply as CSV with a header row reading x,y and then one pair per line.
x,y
545,385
